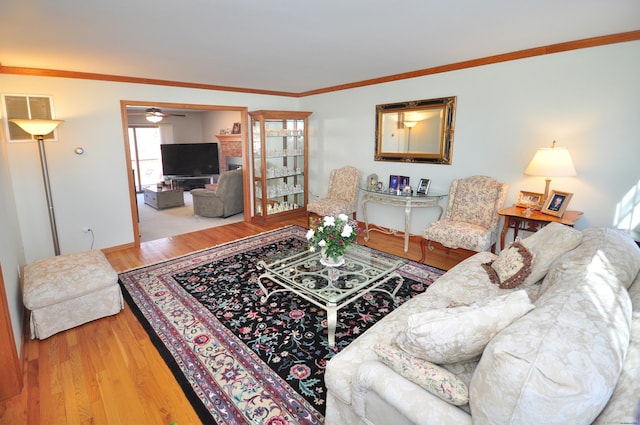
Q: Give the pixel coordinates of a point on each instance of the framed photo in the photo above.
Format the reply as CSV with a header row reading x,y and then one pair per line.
x,y
423,186
372,182
394,183
236,128
557,203
529,199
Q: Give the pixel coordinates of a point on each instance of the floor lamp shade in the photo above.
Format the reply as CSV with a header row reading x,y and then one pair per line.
x,y
551,162
38,129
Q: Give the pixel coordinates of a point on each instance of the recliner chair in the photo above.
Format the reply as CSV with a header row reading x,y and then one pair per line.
x,y
226,200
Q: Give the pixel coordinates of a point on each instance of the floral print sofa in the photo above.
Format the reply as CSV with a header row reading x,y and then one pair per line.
x,y
558,343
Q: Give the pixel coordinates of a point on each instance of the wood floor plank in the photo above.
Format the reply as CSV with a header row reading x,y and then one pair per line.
x,y
109,372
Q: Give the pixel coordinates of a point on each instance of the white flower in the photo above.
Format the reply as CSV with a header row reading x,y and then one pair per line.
x,y
312,248
322,243
310,234
347,231
343,217
329,221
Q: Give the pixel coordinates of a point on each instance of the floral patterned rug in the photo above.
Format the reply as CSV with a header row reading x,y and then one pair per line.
x,y
238,360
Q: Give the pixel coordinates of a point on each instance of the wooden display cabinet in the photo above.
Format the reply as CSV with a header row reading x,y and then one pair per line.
x,y
280,162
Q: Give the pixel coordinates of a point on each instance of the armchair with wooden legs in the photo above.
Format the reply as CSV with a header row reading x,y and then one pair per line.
x,y
471,221
342,194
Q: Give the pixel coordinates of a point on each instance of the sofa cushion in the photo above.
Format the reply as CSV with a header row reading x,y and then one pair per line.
x,y
460,333
565,369
624,405
438,381
548,244
512,266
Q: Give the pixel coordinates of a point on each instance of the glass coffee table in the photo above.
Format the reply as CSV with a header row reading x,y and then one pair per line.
x,y
299,271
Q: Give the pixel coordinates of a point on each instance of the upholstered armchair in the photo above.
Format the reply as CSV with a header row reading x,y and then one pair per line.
x,y
342,194
226,200
471,221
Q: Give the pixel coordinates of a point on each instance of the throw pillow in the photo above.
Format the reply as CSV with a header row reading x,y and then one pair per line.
x,y
546,245
511,268
456,334
438,381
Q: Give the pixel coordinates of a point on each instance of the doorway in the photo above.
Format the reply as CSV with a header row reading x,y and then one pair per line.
x,y
139,161
144,148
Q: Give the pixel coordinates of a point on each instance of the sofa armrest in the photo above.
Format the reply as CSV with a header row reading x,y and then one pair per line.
x,y
624,404
204,193
416,404
207,203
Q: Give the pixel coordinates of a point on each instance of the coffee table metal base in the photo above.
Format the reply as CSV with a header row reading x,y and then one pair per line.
x,y
329,288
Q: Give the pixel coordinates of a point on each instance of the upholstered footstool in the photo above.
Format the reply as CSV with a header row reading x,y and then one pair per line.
x,y
68,290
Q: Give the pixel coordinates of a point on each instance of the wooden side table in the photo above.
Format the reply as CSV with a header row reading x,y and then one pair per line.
x,y
515,219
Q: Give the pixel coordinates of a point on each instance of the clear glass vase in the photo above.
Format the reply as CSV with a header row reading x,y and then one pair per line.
x,y
325,260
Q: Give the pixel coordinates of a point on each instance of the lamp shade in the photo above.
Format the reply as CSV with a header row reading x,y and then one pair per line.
x,y
551,162
154,118
36,127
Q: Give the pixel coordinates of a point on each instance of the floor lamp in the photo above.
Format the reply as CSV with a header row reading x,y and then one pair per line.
x,y
410,125
38,129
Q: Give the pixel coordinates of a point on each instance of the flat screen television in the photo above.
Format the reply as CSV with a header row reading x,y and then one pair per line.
x,y
190,159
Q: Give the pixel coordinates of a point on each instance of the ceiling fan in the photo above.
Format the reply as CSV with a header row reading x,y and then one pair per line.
x,y
155,115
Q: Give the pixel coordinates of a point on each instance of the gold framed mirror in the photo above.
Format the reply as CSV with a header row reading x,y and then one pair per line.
x,y
416,131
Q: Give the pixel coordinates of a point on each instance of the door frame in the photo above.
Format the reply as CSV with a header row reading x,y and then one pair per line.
x,y
151,104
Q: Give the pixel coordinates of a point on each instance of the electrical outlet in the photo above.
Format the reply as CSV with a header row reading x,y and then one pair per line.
x,y
86,229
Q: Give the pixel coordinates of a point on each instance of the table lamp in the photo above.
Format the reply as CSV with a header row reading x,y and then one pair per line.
x,y
551,162
38,129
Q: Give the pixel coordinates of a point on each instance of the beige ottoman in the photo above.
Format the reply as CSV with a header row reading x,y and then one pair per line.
x,y
65,291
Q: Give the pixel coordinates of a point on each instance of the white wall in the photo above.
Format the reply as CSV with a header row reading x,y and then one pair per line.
x,y
219,120
11,250
90,190
588,100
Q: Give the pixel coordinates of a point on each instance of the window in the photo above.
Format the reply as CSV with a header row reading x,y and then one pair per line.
x,y
26,106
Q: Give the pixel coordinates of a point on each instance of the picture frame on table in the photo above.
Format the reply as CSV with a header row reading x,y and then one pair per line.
x,y
557,203
528,199
372,182
398,183
236,128
394,183
423,186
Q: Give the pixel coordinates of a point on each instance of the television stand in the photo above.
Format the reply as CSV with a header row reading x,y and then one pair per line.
x,y
193,182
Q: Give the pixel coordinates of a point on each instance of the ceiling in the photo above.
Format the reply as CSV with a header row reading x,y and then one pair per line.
x,y
289,45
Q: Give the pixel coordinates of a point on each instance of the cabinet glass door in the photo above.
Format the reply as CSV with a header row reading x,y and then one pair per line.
x,y
279,160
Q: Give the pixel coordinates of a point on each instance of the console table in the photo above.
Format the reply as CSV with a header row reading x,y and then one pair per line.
x,y
408,201
515,218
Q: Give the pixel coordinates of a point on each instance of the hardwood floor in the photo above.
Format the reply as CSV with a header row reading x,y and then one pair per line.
x,y
109,372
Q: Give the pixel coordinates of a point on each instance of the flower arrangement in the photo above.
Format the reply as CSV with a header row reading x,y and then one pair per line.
x,y
332,234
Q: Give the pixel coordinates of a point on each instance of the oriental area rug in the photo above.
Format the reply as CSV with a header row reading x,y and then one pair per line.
x,y
241,361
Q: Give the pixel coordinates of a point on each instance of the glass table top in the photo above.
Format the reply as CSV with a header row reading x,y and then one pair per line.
x,y
300,270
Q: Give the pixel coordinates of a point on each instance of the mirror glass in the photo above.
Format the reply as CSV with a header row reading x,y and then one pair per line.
x,y
416,131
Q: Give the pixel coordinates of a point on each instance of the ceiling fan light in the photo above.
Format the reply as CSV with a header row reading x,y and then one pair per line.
x,y
154,118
